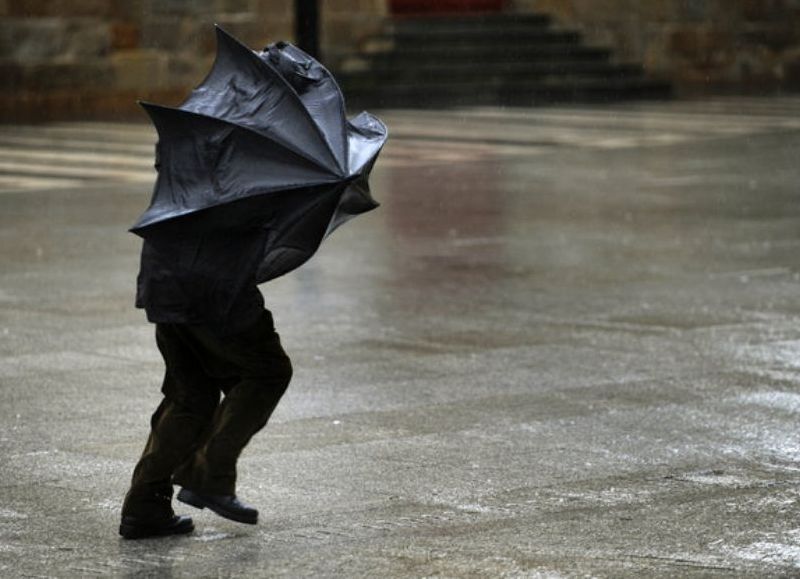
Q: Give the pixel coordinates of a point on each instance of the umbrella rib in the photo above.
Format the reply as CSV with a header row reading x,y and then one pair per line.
x,y
292,223
270,138
343,115
189,210
260,63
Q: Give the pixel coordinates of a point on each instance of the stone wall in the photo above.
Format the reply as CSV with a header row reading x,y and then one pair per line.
x,y
94,58
347,24
699,45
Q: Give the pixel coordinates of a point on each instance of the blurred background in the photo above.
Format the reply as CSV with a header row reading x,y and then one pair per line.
x,y
92,59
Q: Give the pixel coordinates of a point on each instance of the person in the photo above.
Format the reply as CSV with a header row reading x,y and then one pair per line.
x,y
225,372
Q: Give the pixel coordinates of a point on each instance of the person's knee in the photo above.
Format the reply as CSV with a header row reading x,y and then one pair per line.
x,y
270,378
283,372
200,406
279,375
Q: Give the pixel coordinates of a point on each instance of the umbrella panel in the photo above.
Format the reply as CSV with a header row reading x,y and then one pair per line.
x,y
296,221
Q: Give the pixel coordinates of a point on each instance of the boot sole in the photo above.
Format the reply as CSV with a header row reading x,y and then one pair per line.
x,y
128,531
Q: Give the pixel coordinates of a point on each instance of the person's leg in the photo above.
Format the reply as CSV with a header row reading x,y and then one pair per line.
x,y
190,398
264,371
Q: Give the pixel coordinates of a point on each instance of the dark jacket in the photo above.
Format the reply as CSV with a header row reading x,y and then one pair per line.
x,y
202,278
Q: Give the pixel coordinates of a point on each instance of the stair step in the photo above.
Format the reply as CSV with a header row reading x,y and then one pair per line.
x,y
477,82
496,53
470,71
488,59
483,21
517,84
521,94
468,35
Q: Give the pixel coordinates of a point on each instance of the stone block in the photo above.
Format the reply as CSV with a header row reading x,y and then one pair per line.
x,y
188,71
790,70
775,36
698,41
350,7
594,10
35,8
337,30
342,36
175,33
340,6
349,31
87,38
77,76
561,10
124,35
625,38
719,12
228,6
129,10
32,39
97,8
140,69
274,10
26,39
247,27
380,8
11,76
59,8
658,11
761,10
694,10
750,65
655,57
274,30
179,7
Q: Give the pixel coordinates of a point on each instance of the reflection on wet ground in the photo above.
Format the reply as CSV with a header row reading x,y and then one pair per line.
x,y
565,345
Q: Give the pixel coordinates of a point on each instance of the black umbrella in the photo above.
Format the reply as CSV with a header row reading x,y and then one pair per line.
x,y
262,142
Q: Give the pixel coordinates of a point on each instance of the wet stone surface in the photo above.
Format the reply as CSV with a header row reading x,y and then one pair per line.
x,y
566,345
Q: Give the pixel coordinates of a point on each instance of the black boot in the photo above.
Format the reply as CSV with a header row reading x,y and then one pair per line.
x,y
227,506
136,528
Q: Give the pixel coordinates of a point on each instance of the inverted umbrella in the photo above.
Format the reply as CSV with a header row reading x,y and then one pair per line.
x,y
262,142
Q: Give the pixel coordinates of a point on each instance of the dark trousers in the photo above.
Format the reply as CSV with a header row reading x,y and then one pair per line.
x,y
195,440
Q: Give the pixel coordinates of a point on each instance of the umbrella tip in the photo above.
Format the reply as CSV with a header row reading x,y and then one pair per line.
x,y
220,30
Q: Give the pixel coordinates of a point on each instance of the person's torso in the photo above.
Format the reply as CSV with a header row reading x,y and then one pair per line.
x,y
206,278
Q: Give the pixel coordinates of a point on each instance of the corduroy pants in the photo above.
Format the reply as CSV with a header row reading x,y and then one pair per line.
x,y
219,390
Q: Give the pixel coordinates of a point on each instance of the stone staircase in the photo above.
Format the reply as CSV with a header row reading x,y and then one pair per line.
x,y
492,59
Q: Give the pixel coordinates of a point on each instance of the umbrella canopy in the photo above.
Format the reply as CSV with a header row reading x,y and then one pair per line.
x,y
262,142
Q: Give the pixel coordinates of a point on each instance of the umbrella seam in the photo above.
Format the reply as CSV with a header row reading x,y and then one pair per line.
x,y
270,138
261,63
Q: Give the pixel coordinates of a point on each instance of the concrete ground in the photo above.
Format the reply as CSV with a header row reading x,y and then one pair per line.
x,y
567,345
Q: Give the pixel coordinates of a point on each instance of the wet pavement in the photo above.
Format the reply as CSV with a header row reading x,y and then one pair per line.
x,y
567,345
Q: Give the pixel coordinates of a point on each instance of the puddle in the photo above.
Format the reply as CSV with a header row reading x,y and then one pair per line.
x,y
769,552
719,478
209,535
778,400
9,514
